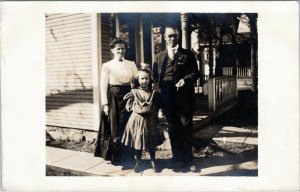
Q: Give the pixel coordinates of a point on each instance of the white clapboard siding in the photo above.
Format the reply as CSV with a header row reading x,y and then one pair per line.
x,y
69,80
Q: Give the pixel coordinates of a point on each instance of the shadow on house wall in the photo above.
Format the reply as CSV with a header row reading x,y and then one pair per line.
x,y
62,99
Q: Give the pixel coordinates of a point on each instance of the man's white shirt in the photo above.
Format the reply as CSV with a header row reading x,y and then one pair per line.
x,y
172,51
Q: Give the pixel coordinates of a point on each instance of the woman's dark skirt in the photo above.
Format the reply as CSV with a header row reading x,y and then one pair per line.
x,y
118,117
118,114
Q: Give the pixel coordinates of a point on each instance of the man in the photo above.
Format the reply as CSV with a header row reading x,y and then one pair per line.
x,y
175,72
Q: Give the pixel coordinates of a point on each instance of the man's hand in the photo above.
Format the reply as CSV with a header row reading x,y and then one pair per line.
x,y
155,86
180,83
106,109
160,114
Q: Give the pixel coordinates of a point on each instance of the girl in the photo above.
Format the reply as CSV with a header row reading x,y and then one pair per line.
x,y
142,132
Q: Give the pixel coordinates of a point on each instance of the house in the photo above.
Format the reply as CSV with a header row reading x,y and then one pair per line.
x,y
78,43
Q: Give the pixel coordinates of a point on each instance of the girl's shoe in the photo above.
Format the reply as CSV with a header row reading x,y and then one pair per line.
x,y
154,167
138,166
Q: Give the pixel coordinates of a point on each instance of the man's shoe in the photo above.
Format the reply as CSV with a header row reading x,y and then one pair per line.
x,y
177,166
189,167
193,168
128,165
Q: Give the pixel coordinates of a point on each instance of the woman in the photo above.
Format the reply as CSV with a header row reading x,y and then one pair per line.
x,y
117,78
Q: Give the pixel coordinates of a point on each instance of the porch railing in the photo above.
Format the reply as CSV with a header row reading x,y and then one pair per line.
x,y
198,87
221,90
241,71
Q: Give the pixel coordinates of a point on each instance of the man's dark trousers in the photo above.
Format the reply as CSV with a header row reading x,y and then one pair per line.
x,y
179,123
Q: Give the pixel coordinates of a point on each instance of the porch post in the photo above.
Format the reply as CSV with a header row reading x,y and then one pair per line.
x,y
96,66
210,53
141,36
211,95
184,26
253,53
152,45
201,64
137,42
117,25
235,64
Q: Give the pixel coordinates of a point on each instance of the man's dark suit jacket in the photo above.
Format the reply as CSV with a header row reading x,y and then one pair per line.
x,y
185,68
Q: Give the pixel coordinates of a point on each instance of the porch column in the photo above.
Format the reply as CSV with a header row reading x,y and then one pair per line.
x,y
210,51
152,45
139,44
253,53
234,34
141,35
184,26
96,66
201,65
117,25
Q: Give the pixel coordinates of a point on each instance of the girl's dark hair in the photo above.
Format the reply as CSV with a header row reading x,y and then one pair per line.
x,y
150,78
116,41
147,71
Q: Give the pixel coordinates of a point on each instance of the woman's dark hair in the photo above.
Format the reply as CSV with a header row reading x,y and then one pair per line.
x,y
116,41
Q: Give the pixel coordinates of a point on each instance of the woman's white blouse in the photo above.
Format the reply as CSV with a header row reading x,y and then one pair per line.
x,y
115,72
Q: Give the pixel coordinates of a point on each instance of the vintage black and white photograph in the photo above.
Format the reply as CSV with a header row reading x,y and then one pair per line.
x,y
151,94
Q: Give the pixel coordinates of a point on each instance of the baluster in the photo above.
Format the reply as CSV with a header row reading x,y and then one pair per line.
x,y
217,92
221,91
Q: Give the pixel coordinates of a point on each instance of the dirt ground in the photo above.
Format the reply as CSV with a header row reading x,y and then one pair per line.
x,y
211,150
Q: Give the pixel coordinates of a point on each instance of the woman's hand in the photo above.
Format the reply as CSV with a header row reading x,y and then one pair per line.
x,y
106,109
